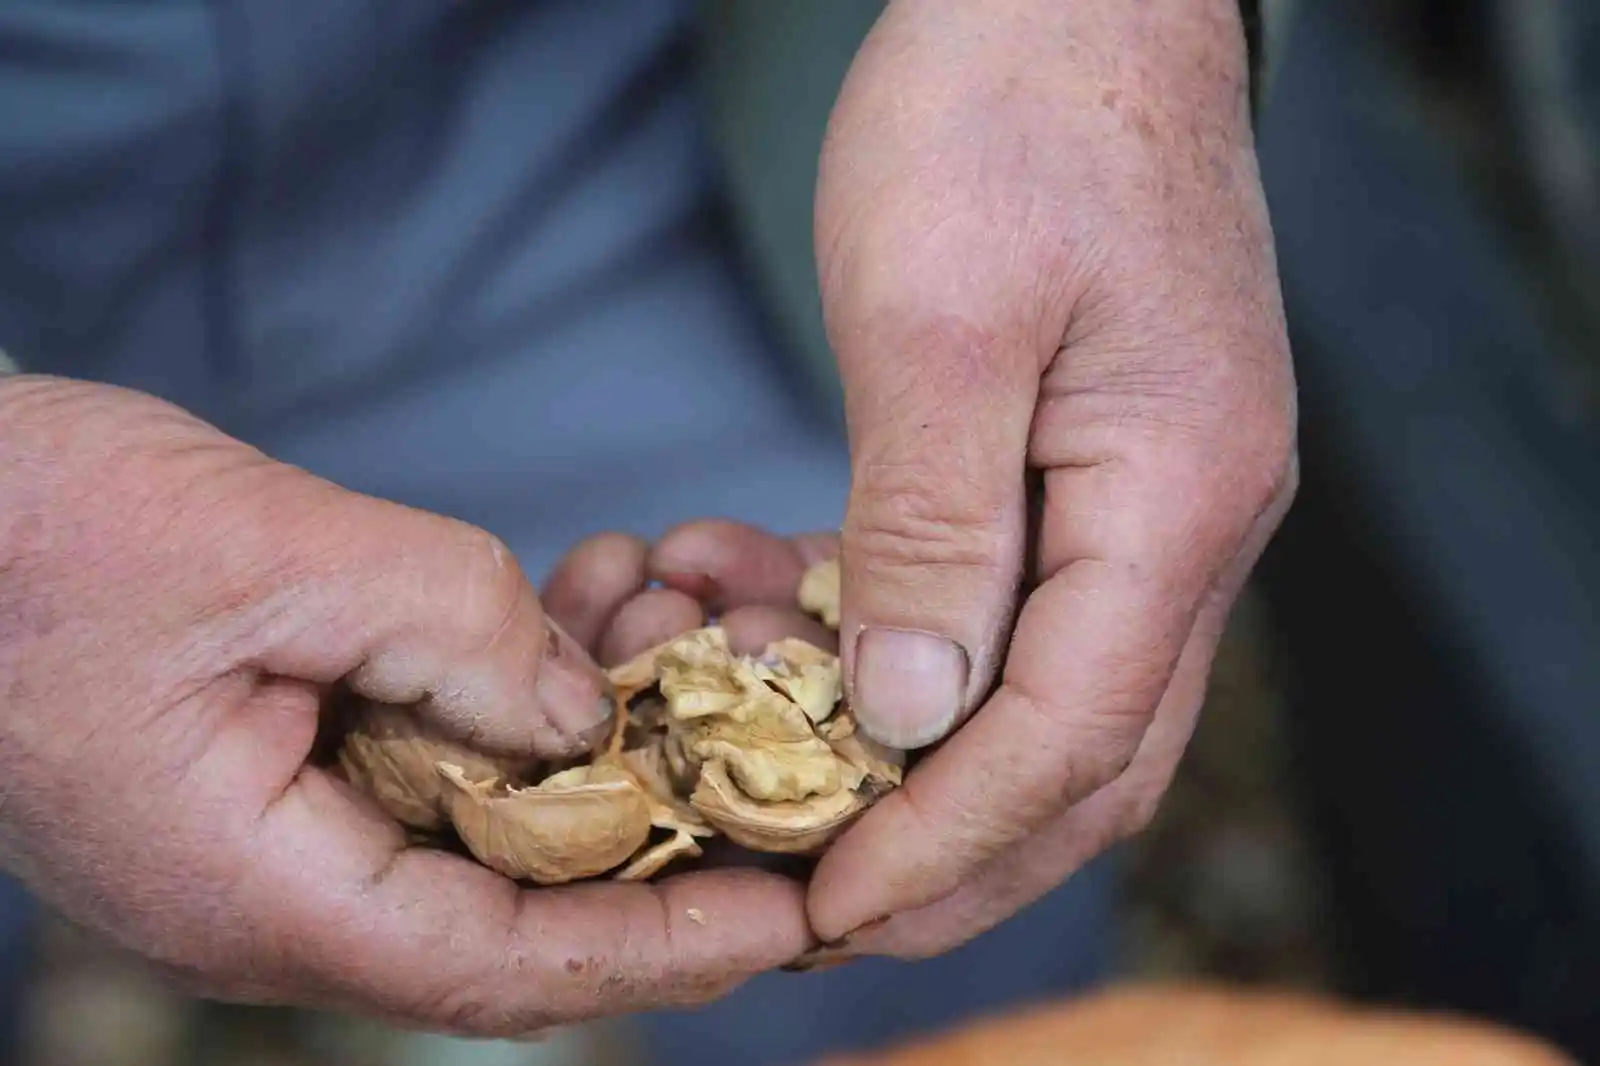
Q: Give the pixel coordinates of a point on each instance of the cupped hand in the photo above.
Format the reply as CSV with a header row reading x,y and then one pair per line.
x,y
1048,276
175,610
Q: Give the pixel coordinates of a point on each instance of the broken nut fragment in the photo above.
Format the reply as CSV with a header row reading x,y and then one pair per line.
x,y
577,823
390,755
761,749
819,592
773,751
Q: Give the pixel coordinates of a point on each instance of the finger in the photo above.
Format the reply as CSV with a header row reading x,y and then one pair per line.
x,y
342,907
594,580
1015,765
729,564
413,608
1034,866
934,531
979,894
751,629
1093,651
652,617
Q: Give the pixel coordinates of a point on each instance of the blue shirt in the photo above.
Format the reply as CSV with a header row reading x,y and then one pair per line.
x,y
463,255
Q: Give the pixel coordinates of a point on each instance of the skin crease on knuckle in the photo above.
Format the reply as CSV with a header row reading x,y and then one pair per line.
x,y
902,514
911,527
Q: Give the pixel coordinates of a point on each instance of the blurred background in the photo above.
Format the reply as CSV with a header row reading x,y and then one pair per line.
x,y
1394,793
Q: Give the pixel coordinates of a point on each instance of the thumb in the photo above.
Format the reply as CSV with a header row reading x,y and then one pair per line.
x,y
932,544
414,608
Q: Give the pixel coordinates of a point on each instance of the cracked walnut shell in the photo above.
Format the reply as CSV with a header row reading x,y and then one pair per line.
x,y
760,749
391,757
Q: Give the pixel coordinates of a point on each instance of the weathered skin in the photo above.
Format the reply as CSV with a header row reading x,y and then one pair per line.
x,y
174,607
1043,247
1042,244
759,748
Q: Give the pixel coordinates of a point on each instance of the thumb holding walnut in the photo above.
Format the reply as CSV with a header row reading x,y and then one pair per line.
x,y
175,608
1047,271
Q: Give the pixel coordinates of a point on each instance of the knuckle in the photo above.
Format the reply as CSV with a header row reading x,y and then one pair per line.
x,y
1267,463
1106,754
494,582
487,554
908,517
1138,812
1207,497
1143,789
1255,451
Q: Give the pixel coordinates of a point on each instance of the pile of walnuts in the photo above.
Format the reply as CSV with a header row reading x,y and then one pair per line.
x,y
760,749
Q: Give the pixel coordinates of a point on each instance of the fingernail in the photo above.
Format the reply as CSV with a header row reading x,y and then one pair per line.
x,y
572,692
909,685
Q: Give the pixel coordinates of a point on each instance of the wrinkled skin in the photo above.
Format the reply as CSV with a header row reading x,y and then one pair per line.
x,y
1043,248
1042,245
174,610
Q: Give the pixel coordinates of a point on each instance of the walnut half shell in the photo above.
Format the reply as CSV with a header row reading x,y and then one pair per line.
x,y
391,756
761,749
577,823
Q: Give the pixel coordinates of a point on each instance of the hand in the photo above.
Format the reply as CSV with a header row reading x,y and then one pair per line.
x,y
1048,275
174,609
